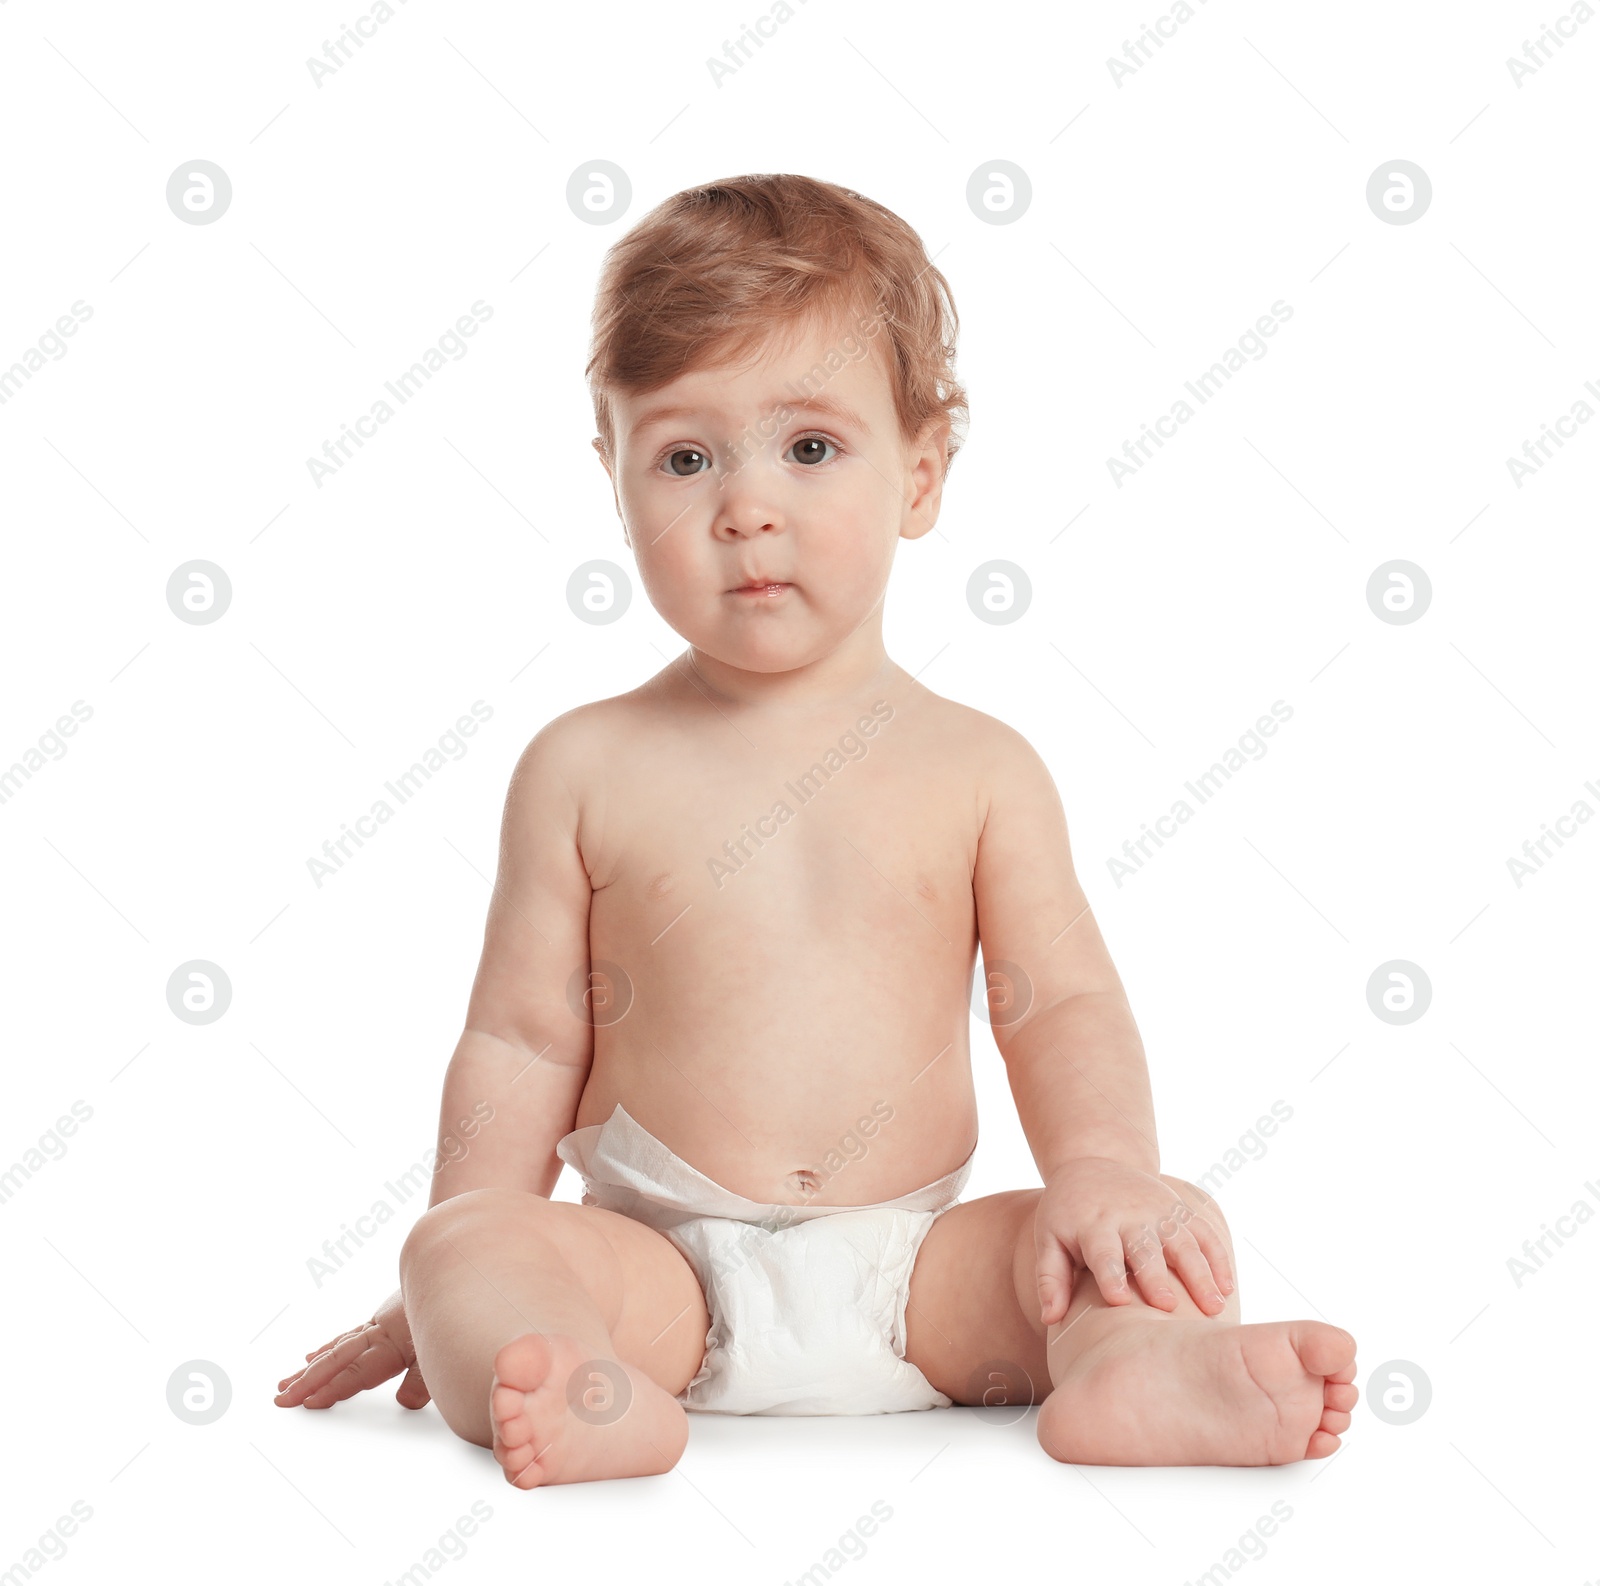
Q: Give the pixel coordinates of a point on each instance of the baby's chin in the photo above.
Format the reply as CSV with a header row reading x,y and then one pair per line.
x,y
766,658
764,646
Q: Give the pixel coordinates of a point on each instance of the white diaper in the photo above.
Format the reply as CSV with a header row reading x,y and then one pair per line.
x,y
807,1303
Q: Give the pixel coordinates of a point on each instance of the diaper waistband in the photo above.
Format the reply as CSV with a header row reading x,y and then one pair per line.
x,y
627,1170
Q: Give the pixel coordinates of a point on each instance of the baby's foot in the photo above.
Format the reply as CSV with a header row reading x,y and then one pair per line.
x,y
1168,1391
540,1439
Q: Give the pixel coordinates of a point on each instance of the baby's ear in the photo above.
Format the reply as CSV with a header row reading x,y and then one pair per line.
x,y
929,459
600,449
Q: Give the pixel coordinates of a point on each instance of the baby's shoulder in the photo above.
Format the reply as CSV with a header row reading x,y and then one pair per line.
x,y
567,749
973,736
990,758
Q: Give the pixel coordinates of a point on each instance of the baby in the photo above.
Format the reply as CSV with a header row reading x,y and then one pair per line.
x,y
726,969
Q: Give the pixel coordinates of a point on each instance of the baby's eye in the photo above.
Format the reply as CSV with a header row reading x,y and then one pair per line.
x,y
692,458
810,448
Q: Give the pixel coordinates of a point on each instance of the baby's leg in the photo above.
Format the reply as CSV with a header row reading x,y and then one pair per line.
x,y
558,1335
1133,1385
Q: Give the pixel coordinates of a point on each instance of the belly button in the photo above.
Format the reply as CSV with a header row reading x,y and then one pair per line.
x,y
805,1182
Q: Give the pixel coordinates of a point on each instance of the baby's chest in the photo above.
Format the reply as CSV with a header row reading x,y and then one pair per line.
x,y
827,840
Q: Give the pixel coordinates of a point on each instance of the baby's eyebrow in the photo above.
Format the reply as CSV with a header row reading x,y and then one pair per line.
x,y
833,408
829,406
660,415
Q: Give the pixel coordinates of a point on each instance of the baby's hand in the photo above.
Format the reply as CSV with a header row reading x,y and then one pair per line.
x,y
1112,1219
359,1359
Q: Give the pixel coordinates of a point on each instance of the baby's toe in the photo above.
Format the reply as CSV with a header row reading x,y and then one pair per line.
x,y
1325,1351
523,1470
524,1363
505,1403
1321,1445
517,1432
1340,1396
1346,1372
1335,1421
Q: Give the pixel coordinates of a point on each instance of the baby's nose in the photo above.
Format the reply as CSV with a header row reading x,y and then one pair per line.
x,y
748,515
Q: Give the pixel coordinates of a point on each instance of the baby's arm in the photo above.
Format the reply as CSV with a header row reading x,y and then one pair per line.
x,y
1074,1059
514,1082
520,1066
1073,1056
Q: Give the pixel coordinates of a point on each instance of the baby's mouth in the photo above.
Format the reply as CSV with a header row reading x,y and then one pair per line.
x,y
761,591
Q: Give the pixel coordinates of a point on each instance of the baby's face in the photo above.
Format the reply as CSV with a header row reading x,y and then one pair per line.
x,y
763,503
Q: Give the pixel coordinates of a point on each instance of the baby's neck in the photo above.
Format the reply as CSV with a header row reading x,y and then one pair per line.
x,y
840,678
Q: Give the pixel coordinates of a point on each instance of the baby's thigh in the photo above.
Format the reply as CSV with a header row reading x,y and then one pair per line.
x,y
973,1309
654,1307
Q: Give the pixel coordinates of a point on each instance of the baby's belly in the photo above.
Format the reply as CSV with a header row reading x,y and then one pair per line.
x,y
792,1059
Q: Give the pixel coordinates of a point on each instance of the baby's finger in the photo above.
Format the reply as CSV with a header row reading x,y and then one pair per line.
x,y
344,1384
413,1391
1054,1278
1149,1268
319,1371
1189,1260
306,1383
315,1355
1102,1255
373,1366
1216,1252
339,1338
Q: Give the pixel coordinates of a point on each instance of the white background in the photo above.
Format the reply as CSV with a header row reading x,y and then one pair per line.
x,y
1167,214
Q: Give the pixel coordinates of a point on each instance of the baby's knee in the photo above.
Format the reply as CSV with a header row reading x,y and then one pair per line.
x,y
463,1220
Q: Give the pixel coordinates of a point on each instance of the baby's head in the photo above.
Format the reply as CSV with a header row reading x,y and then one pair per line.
x,y
774,390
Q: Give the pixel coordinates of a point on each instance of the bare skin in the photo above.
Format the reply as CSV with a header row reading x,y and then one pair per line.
x,y
744,901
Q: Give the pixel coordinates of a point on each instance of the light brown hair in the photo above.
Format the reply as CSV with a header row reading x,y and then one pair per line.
x,y
711,273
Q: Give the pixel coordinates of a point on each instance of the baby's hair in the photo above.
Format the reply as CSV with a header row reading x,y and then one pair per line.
x,y
710,273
